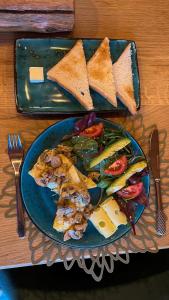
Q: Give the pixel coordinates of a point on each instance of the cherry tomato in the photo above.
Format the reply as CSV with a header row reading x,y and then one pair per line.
x,y
131,192
118,167
93,131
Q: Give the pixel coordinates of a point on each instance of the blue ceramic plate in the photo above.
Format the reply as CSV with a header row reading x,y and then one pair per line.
x,y
50,98
40,202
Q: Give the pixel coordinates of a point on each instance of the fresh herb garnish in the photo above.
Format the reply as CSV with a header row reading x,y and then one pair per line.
x,y
83,146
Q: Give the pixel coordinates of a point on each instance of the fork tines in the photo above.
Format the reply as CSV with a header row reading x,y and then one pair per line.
x,y
14,142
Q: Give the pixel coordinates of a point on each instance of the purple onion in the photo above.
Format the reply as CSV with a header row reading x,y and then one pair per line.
x,y
101,149
91,119
85,122
142,199
128,208
137,176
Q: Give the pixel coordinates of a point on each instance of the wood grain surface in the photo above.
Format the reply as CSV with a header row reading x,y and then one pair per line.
x,y
37,16
36,22
144,21
21,5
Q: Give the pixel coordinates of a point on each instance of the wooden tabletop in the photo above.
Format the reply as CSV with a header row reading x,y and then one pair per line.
x,y
144,21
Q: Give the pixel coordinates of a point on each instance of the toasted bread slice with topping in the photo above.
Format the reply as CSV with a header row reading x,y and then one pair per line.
x,y
100,72
122,69
71,73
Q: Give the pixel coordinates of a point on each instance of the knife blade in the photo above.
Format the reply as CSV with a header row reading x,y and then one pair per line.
x,y
155,167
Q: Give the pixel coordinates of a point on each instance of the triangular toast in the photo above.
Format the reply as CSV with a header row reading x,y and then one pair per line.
x,y
100,72
122,69
71,73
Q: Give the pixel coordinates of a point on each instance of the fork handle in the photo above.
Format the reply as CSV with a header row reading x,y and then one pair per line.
x,y
20,210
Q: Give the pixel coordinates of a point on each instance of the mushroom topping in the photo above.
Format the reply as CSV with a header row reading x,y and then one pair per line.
x,y
55,161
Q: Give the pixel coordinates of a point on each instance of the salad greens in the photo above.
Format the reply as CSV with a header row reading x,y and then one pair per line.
x,y
110,136
104,182
84,145
86,148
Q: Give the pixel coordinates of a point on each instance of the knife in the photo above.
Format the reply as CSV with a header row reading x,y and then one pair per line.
x,y
155,167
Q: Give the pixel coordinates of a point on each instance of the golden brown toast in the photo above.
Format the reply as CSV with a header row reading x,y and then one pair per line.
x,y
122,69
100,72
71,73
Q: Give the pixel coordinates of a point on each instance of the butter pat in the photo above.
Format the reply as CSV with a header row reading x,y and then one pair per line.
x,y
36,74
102,222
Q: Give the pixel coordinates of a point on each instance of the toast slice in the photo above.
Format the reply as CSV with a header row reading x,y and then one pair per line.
x,y
122,69
71,73
100,72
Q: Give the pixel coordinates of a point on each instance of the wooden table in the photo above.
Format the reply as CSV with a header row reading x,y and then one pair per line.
x,y
144,21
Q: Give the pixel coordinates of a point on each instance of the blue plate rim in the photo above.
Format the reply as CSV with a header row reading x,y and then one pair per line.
x,y
50,235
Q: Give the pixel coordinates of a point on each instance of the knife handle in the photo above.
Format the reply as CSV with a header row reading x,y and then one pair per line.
x,y
158,194
160,217
161,223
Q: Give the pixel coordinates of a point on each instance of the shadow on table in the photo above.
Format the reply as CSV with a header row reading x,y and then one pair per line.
x,y
56,278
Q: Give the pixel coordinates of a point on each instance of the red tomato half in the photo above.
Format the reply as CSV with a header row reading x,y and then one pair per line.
x,y
131,192
118,167
93,131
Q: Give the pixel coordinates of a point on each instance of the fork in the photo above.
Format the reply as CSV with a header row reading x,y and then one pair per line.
x,y
16,152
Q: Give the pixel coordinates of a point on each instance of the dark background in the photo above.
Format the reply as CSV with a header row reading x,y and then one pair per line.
x,y
145,277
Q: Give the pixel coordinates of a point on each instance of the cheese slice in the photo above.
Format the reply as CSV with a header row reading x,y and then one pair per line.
x,y
112,209
102,222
